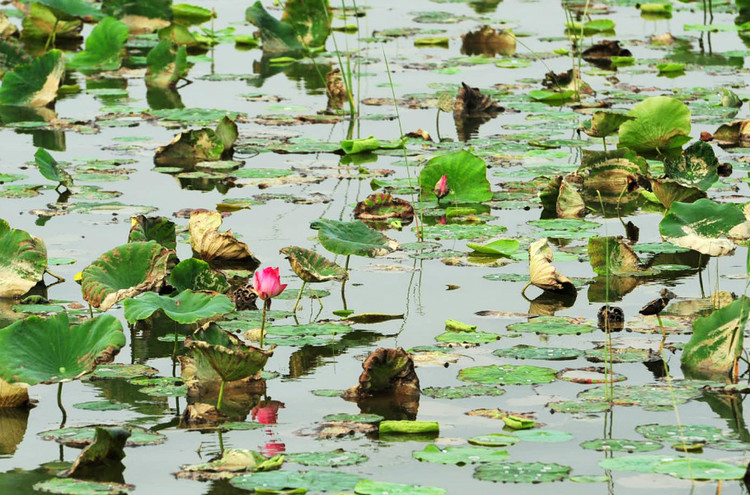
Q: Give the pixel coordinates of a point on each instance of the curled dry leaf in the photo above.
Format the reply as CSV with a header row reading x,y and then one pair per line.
x,y
13,394
543,274
387,372
218,248
382,206
488,41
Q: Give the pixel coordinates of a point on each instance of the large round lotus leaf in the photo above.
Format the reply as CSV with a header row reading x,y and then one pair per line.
x,y
703,226
48,350
621,445
82,436
462,231
605,123
159,229
369,487
197,275
123,272
661,124
103,46
523,351
310,329
544,436
565,228
231,363
590,375
701,469
312,267
460,456
697,166
467,178
34,84
467,337
165,65
578,407
494,440
318,481
552,325
682,433
462,392
507,374
122,370
650,397
187,307
618,355
352,238
499,247
639,463
23,259
334,458
522,472
72,486
716,343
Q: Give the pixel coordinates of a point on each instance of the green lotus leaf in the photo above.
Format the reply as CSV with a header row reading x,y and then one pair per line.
x,y
34,84
159,229
79,437
122,370
462,392
578,407
276,36
649,397
552,325
703,226
166,64
49,350
71,486
230,357
544,436
197,275
467,178
179,35
613,256
23,260
51,169
108,445
717,340
369,487
310,19
406,427
661,125
382,206
605,123
75,8
697,166
226,131
467,337
460,456
190,147
45,21
548,96
477,232
334,458
733,133
499,247
190,15
150,9
352,238
523,351
621,445
231,461
103,46
668,191
682,433
507,374
11,51
610,173
700,469
123,272
312,267
186,307
356,418
312,480
639,463
494,440
522,472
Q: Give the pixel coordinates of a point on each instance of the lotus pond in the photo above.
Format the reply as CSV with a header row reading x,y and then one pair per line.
x,y
441,247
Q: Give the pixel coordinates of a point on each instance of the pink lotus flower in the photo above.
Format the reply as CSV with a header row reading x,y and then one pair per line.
x,y
267,412
267,283
271,449
441,189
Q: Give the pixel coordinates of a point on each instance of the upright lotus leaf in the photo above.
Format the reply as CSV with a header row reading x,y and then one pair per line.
x,y
716,343
7,28
11,54
159,229
386,372
230,357
661,125
49,350
312,267
75,8
51,169
104,46
191,15
467,178
108,446
611,173
667,191
226,131
382,206
543,274
166,64
276,36
23,260
604,123
548,195
140,15
613,256
310,20
697,166
218,248
197,275
34,84
189,148
123,272
569,204
352,238
187,307
735,133
45,22
704,226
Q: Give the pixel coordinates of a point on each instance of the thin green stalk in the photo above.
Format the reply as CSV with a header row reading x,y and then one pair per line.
x,y
266,303
299,296
220,400
343,282
60,405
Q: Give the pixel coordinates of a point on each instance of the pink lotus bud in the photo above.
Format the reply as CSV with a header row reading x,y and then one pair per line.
x,y
441,189
267,283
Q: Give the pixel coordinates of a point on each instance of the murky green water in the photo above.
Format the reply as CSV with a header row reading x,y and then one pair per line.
x,y
398,283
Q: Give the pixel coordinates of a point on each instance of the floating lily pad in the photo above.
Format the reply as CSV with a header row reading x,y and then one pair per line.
x,y
579,407
619,355
71,486
703,225
621,445
507,374
467,337
461,231
589,375
122,370
82,436
467,178
552,325
357,418
682,433
187,307
522,472
650,397
101,405
333,458
352,238
369,487
523,351
494,440
323,481
460,456
701,469
499,247
462,392
544,436
639,463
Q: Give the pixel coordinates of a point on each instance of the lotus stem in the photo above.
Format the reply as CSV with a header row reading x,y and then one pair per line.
x,y
219,401
299,296
604,142
343,283
221,438
52,35
58,277
174,350
91,311
437,125
663,334
266,304
524,290
60,405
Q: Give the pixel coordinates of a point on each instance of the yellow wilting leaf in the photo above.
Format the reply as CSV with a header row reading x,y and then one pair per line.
x,y
218,247
543,274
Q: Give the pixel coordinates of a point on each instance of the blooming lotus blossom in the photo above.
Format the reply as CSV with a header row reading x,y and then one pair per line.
x,y
267,283
441,189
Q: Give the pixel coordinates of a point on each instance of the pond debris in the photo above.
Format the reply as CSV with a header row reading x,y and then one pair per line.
x,y
601,53
487,41
471,109
655,307
610,318
336,91
106,450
